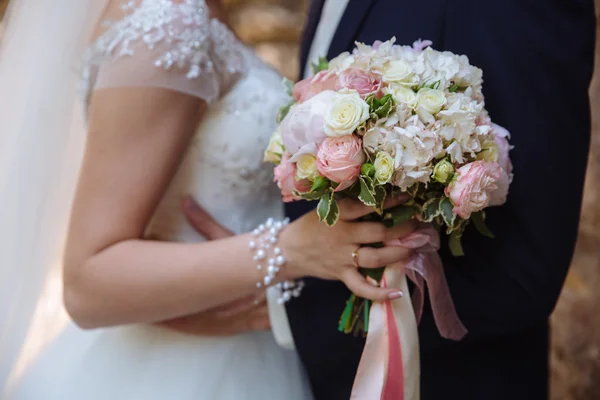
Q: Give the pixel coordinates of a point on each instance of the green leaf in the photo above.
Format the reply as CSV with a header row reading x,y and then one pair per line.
x,y
354,190
334,212
289,87
368,169
373,103
323,206
478,219
400,214
283,111
446,212
435,85
454,242
380,195
311,195
453,88
367,195
431,209
321,65
346,313
386,105
320,184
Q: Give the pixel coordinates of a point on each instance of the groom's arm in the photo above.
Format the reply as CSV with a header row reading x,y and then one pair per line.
x,y
537,58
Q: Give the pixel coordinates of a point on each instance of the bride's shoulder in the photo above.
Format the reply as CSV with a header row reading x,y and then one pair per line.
x,y
178,36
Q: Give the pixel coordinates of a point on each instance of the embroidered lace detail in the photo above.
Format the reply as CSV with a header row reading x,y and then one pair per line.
x,y
180,36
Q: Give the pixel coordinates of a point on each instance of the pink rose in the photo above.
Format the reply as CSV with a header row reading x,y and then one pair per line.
x,y
473,189
362,81
500,138
304,123
285,176
339,159
310,87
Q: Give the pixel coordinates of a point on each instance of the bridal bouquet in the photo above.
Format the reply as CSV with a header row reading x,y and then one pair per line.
x,y
389,119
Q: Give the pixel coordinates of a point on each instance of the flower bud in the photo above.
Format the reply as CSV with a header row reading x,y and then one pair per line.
x,y
443,172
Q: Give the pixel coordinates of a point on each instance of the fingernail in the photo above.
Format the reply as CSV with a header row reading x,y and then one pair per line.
x,y
395,295
372,281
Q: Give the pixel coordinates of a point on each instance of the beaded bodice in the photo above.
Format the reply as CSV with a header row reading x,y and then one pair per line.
x,y
178,46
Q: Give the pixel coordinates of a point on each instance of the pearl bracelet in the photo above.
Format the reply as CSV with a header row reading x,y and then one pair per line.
x,y
270,259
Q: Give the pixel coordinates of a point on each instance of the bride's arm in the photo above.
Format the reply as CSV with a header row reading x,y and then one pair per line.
x,y
112,276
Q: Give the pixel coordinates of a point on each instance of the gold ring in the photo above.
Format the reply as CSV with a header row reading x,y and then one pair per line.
x,y
355,257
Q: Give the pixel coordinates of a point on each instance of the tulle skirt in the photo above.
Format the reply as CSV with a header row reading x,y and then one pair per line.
x,y
153,363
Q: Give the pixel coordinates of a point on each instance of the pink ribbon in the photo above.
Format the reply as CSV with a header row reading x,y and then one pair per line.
x,y
425,268
381,372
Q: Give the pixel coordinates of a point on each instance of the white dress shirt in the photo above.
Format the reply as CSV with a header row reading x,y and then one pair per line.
x,y
330,18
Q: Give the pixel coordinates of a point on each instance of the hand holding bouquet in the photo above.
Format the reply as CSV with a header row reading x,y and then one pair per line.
x,y
385,120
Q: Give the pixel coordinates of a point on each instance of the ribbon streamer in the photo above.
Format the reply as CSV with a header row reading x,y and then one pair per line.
x,y
389,368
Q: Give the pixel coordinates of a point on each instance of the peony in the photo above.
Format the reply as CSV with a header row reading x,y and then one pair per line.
x,y
306,167
285,176
503,148
398,71
345,114
363,82
472,190
310,87
275,148
384,167
339,159
303,126
402,95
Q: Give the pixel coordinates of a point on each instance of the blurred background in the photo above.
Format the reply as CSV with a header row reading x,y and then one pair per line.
x,y
274,27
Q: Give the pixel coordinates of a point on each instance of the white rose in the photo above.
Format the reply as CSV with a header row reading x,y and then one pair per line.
x,y
384,167
431,100
275,148
402,94
307,167
346,113
398,71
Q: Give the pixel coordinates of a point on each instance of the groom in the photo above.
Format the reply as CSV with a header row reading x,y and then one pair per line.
x,y
537,58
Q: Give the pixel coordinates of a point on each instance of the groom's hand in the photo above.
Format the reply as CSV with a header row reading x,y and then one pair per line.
x,y
244,315
249,314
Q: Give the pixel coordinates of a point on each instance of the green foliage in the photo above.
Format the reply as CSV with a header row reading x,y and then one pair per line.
x,y
446,212
321,65
283,111
478,219
320,184
328,209
289,87
368,169
454,242
380,108
431,209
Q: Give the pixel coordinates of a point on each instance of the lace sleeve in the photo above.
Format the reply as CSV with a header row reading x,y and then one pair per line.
x,y
166,44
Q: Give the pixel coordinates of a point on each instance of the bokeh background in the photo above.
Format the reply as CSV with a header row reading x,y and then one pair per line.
x,y
274,27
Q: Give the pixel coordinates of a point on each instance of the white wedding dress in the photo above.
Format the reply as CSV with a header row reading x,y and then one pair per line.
x,y
178,46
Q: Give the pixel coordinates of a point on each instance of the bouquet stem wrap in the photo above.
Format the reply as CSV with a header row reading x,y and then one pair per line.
x,y
389,368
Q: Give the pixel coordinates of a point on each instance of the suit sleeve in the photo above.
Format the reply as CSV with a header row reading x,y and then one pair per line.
x,y
537,58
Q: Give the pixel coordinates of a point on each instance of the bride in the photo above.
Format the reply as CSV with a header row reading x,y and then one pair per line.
x,y
175,105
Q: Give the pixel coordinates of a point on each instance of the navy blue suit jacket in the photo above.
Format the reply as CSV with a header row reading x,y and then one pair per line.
x,y
537,57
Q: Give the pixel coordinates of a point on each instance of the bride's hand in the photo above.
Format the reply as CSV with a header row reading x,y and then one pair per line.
x,y
313,249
